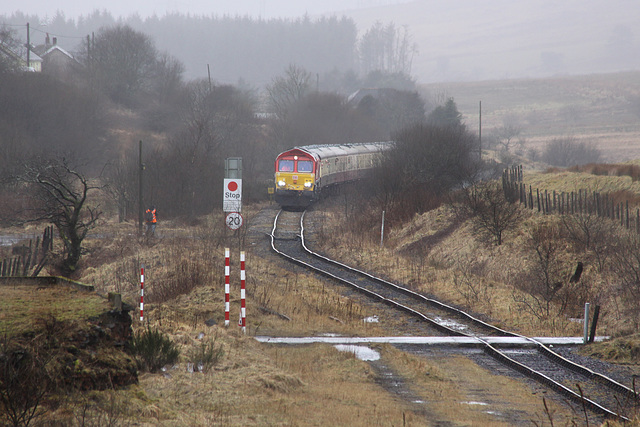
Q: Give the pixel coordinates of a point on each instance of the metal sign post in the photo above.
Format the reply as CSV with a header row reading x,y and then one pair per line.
x,y
232,190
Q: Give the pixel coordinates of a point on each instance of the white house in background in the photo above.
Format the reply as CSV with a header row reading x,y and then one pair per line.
x,y
35,61
55,60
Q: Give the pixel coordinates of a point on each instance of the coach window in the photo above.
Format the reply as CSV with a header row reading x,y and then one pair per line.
x,y
285,166
305,166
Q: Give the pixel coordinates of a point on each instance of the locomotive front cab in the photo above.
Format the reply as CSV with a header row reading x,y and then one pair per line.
x,y
295,178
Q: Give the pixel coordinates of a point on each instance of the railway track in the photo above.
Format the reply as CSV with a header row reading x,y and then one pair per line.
x,y
586,388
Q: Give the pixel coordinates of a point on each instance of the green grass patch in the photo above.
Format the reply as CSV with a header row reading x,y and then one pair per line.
x,y
22,307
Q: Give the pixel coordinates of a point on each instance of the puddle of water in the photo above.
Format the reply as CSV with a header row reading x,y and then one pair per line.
x,y
11,240
476,403
451,324
362,353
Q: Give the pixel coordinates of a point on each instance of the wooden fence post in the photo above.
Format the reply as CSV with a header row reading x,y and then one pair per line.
x,y
531,197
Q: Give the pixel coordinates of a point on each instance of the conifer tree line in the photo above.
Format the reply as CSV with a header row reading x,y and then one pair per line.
x,y
241,48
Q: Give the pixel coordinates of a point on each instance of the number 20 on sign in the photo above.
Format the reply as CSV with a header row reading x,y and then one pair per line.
x,y
234,220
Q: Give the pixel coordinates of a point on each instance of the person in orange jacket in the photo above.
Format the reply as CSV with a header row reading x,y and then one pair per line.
x,y
150,219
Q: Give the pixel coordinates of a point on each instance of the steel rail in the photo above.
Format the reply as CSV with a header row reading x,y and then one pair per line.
x,y
542,348
488,348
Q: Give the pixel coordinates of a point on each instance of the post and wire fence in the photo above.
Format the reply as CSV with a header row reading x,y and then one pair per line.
x,y
581,201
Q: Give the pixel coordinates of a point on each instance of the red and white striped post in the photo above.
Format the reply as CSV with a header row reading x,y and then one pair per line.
x,y
226,286
243,310
142,293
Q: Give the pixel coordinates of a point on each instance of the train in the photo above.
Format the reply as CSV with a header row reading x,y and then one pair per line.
x,y
303,173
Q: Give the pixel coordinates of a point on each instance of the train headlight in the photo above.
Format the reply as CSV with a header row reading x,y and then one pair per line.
x,y
281,183
308,184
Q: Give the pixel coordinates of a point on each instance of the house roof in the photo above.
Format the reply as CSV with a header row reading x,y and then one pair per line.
x,y
376,93
58,48
33,57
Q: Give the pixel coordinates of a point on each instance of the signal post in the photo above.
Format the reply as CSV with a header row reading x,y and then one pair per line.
x,y
232,207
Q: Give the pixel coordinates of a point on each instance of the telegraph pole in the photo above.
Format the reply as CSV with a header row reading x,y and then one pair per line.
x,y
480,131
28,48
140,187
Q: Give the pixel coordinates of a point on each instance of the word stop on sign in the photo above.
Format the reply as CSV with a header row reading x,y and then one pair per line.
x,y
232,195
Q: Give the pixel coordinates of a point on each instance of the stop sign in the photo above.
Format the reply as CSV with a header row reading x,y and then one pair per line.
x,y
232,195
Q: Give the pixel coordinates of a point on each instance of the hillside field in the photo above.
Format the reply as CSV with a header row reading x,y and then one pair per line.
x,y
435,252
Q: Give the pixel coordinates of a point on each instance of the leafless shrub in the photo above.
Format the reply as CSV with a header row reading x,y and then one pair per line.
x,y
506,135
491,213
24,383
106,409
544,277
418,268
625,266
470,282
590,234
569,152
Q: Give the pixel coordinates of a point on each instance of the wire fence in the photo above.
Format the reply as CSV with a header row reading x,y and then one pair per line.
x,y
30,259
570,203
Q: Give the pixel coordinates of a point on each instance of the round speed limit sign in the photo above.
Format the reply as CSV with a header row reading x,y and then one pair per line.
x,y
234,220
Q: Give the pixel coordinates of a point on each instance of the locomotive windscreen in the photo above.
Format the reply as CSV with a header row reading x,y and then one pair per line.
x,y
305,166
285,166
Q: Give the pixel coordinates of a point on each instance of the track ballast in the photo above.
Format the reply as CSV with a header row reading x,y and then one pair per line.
x,y
581,385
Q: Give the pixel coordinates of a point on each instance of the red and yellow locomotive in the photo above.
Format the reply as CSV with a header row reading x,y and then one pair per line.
x,y
303,172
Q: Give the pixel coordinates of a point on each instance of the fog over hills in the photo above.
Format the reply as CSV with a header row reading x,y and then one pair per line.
x,y
461,40
494,39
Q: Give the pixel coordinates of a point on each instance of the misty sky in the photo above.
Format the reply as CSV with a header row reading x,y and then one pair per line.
x,y
145,8
459,40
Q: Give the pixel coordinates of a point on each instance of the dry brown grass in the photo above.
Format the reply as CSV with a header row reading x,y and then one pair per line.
x,y
259,384
433,269
442,256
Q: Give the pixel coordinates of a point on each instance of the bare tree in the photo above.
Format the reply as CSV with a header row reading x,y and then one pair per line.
x,y
11,50
491,213
60,195
122,62
625,266
545,276
121,183
167,80
592,234
387,48
507,133
569,152
285,91
216,122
